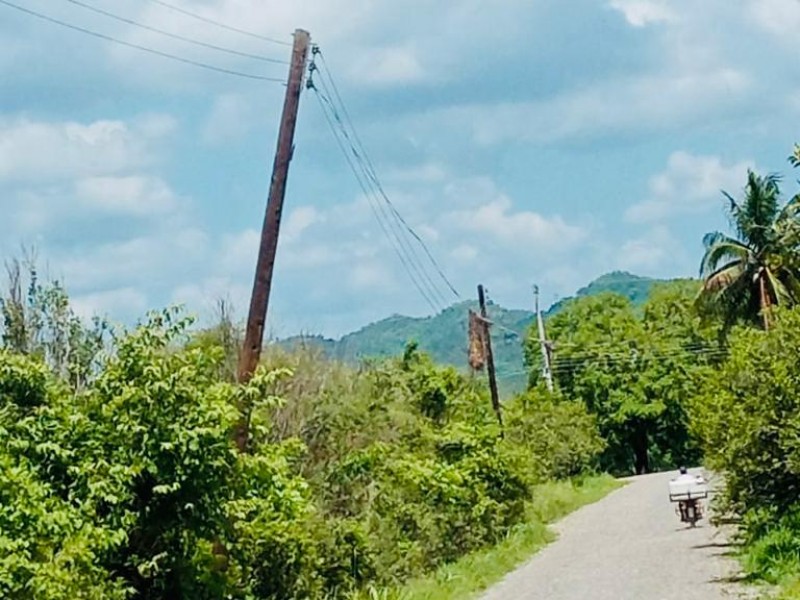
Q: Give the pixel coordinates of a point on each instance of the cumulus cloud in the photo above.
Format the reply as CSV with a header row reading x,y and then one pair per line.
x,y
690,184
781,17
119,301
231,117
39,151
651,253
139,196
634,104
644,12
519,229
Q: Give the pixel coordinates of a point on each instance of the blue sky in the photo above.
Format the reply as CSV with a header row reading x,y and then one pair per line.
x,y
527,141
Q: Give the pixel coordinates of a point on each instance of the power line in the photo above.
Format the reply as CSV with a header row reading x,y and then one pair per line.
x,y
358,163
566,365
188,13
405,248
374,176
359,178
108,38
571,363
176,36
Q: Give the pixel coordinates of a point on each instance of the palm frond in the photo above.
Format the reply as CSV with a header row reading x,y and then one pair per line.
x,y
758,211
779,292
724,277
794,159
720,249
789,279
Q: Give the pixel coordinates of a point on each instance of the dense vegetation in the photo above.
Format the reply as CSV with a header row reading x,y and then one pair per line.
x,y
706,369
634,369
444,336
119,477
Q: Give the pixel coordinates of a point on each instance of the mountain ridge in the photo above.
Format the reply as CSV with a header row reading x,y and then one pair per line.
x,y
444,335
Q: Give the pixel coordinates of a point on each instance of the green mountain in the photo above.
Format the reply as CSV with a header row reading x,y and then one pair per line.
x,y
635,288
444,336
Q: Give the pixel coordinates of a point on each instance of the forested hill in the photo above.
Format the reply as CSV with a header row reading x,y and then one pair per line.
x,y
633,287
444,336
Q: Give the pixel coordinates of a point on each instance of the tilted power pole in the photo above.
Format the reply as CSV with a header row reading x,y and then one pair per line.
x,y
262,284
490,357
547,370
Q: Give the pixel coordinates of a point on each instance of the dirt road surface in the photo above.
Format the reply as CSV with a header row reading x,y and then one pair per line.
x,y
629,546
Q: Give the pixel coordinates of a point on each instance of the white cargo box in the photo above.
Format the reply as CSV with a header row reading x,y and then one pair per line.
x,y
685,488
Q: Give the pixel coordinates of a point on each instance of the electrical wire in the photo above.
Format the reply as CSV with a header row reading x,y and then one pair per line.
x,y
188,13
406,248
373,208
108,38
176,36
359,161
570,364
376,180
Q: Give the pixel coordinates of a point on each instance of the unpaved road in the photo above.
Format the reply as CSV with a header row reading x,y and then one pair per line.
x,y
629,546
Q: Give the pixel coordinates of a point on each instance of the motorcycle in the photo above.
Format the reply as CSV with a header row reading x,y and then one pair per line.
x,y
688,491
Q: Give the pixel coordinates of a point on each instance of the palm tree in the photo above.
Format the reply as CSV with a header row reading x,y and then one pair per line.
x,y
745,277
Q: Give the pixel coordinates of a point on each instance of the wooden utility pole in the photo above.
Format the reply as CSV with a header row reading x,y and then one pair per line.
x,y
262,284
547,370
490,357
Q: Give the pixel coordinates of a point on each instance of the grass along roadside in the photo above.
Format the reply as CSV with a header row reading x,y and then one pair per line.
x,y
475,572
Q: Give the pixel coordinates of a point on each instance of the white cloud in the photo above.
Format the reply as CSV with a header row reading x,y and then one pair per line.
x,y
650,253
120,301
464,253
139,196
690,184
634,104
299,220
426,173
151,259
517,229
391,66
781,17
202,299
232,116
640,13
38,151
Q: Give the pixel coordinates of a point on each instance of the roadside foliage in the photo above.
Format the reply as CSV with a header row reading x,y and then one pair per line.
x,y
125,483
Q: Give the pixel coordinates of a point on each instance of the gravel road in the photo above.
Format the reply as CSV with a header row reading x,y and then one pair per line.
x,y
629,546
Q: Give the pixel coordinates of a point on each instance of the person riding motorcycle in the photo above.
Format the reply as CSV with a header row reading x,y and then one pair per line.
x,y
685,476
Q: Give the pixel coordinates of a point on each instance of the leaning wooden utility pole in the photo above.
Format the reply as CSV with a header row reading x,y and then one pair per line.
x,y
547,369
490,357
262,284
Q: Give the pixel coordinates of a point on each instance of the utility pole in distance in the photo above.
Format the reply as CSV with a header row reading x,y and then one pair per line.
x,y
259,301
547,370
490,357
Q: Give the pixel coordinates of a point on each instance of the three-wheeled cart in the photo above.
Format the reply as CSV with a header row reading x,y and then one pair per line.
x,y
687,491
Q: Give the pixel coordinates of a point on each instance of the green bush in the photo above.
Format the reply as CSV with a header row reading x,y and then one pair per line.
x,y
559,437
130,487
772,545
749,417
135,483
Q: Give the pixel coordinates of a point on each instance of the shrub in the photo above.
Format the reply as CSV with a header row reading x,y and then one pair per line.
x,y
749,417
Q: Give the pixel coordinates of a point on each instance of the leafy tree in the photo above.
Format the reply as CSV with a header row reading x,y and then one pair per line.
x,y
633,371
37,320
745,276
748,417
138,480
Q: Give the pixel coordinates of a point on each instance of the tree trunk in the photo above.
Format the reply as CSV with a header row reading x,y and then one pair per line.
x,y
765,301
640,447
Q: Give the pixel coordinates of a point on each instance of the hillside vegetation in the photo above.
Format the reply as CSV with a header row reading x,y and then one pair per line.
x,y
444,336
